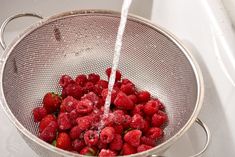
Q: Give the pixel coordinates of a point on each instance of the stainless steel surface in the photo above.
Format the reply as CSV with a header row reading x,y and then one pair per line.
x,y
83,42
3,26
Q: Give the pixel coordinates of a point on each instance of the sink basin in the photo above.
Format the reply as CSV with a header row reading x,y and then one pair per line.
x,y
206,30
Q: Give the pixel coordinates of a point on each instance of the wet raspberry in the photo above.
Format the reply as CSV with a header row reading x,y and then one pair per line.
x,y
133,137
107,134
39,113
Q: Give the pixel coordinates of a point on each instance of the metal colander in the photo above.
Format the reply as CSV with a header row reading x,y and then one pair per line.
x,y
82,42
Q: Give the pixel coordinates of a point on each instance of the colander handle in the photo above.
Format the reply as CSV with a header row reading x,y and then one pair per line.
x,y
9,19
208,138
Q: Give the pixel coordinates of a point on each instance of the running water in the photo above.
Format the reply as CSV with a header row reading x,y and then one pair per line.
x,y
118,45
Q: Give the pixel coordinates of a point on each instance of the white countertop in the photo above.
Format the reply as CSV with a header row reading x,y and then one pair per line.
x,y
206,30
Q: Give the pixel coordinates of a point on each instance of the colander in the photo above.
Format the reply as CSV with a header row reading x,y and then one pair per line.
x,y
83,42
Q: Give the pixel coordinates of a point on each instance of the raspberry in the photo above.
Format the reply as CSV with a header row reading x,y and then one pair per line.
x,y
88,151
92,97
123,102
158,119
106,153
126,122
84,122
146,126
143,147
91,137
117,85
51,102
128,149
118,74
65,80
68,104
81,80
39,113
49,133
117,143
75,132
74,90
63,141
118,116
137,122
46,121
100,86
118,128
128,88
107,134
143,96
78,144
151,107
102,145
133,137
126,81
138,110
133,98
89,87
161,106
148,141
64,121
105,93
73,116
155,133
84,107
94,78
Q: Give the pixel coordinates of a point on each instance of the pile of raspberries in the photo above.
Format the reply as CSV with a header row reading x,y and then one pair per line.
x,y
72,120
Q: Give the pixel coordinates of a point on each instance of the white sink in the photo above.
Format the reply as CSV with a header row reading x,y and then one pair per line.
x,y
202,25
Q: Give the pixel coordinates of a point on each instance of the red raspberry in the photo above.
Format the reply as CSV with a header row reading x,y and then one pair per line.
x,y
123,102
143,96
148,141
101,103
143,148
113,94
126,81
78,144
75,132
88,151
81,80
46,121
117,85
139,109
39,113
94,78
118,116
118,128
73,116
106,153
74,90
128,149
117,143
126,122
146,126
65,80
128,88
89,87
91,137
51,102
92,97
133,137
68,104
63,141
118,74
155,133
102,145
49,133
107,134
84,107
64,121
158,119
161,106
100,86
151,107
84,122
137,122
133,98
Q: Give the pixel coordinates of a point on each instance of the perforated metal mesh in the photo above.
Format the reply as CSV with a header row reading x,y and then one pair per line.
x,y
84,44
